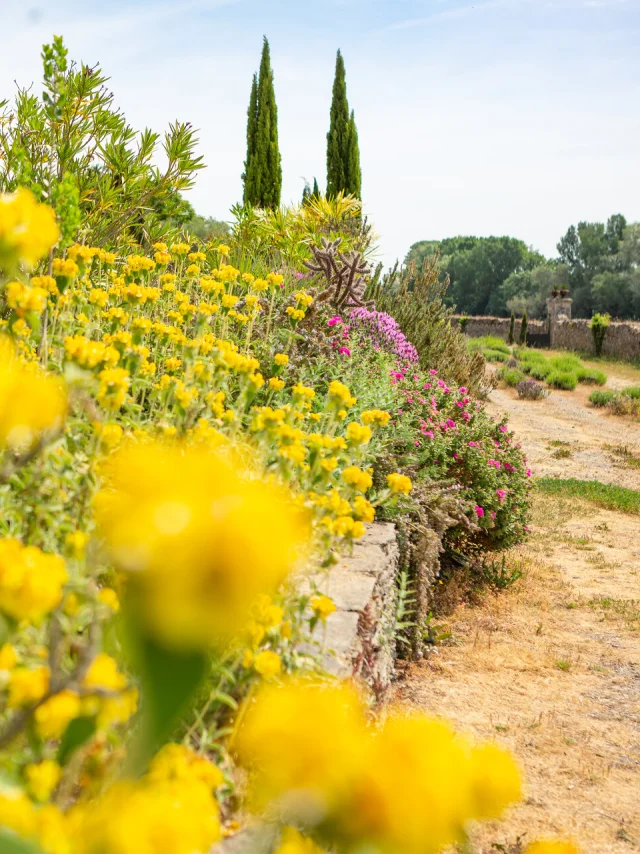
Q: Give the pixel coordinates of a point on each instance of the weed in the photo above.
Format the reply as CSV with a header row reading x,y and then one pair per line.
x,y
563,664
561,454
603,494
495,573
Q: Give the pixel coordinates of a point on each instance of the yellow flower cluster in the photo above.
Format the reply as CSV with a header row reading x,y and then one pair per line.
x,y
32,404
410,785
191,530
31,581
28,229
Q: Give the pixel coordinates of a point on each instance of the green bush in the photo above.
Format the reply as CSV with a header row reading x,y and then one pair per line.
x,y
590,376
539,371
562,379
511,376
568,363
600,398
494,355
489,342
632,391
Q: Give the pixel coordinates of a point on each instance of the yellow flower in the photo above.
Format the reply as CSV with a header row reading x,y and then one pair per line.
x,y
109,597
293,842
376,417
103,673
114,383
32,403
27,686
24,299
53,716
247,659
28,229
42,779
323,607
223,249
179,762
303,392
496,780
17,813
339,394
363,510
111,435
268,664
146,817
551,846
357,434
8,657
276,384
30,581
399,484
281,359
65,267
200,541
356,477
75,544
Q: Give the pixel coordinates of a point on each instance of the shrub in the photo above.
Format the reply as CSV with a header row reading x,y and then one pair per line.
x,y
621,404
590,376
539,371
632,391
511,376
566,362
495,355
601,398
562,379
530,390
599,326
524,324
512,328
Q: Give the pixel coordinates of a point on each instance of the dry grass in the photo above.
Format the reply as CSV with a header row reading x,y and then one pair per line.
x,y
553,674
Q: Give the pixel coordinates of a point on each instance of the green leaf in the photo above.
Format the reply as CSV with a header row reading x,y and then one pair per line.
x,y
12,844
76,734
168,678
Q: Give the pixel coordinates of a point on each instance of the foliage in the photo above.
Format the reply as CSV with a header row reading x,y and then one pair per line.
x,y
530,390
562,379
591,376
477,267
512,330
343,275
605,495
263,168
415,298
511,376
563,371
599,325
522,337
601,398
343,153
74,149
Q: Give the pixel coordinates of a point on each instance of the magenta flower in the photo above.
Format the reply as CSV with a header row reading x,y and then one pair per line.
x,y
334,321
344,351
480,512
501,495
433,373
503,428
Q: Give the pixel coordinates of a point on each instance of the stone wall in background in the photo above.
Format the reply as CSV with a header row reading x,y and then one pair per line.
x,y
622,340
478,327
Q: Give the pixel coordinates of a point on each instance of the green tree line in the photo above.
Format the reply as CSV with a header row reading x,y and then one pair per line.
x,y
599,264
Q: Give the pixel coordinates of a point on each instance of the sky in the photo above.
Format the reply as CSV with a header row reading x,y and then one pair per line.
x,y
515,117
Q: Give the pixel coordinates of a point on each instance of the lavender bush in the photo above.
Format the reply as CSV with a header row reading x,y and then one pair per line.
x,y
383,331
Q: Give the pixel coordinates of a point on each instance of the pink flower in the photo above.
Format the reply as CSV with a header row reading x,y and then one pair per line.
x,y
493,514
344,351
462,390
480,512
427,385
472,444
433,373
528,472
451,423
334,321
503,428
428,433
466,416
501,495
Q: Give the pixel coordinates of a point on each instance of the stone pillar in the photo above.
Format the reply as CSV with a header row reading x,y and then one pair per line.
x,y
558,308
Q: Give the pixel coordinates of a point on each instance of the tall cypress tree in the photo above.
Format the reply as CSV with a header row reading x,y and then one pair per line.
x,y
316,190
343,154
263,169
248,176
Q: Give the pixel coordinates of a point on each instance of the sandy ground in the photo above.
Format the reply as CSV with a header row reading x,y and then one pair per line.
x,y
551,667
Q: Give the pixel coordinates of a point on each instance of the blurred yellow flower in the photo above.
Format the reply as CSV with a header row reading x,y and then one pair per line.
x,y
75,544
399,484
8,657
42,779
53,716
356,477
31,581
28,229
551,846
109,597
267,664
323,607
27,686
32,403
200,542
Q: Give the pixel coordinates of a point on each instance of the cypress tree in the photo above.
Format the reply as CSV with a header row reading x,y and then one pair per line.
x,y
343,153
263,169
306,193
512,329
248,176
354,173
316,190
522,340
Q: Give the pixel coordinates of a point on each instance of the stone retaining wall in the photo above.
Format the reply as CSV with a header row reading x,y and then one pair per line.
x,y
621,341
478,327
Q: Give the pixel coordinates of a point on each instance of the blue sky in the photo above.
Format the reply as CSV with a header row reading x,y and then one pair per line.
x,y
511,117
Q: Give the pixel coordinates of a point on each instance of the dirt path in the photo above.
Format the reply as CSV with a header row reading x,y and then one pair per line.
x,y
551,668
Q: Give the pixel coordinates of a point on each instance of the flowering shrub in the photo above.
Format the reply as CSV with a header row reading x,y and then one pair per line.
x,y
168,465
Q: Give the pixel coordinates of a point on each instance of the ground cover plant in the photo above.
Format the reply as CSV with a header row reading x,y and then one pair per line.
x,y
605,495
186,429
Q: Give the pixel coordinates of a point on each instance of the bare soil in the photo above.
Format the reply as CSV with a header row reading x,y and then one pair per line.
x,y
551,667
